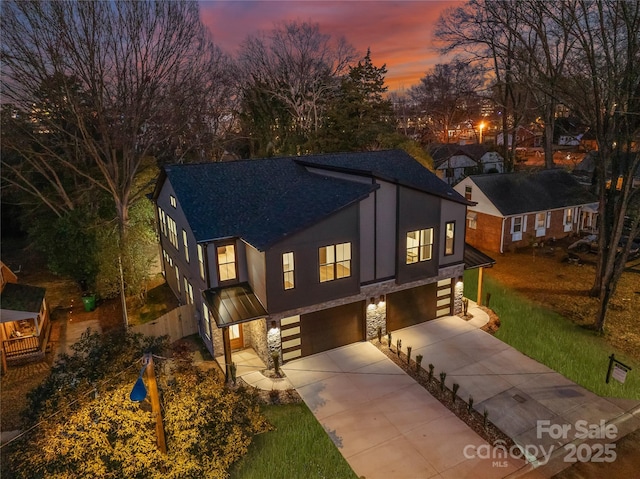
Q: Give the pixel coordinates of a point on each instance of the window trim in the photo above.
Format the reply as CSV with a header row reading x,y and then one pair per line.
x,y
172,201
333,265
422,245
453,238
234,262
288,273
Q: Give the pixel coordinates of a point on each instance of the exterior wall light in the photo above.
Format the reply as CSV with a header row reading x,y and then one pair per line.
x,y
381,302
372,303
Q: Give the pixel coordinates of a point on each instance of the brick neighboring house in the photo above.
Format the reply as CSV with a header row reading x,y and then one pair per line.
x,y
303,254
514,210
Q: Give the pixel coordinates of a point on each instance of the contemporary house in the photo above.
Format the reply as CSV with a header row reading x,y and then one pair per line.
x,y
514,210
298,255
455,162
24,319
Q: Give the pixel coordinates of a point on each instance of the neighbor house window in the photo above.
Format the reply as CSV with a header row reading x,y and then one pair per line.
x,y
335,261
201,260
287,270
227,262
450,236
207,320
516,228
172,200
568,219
467,192
472,217
178,278
419,245
186,246
173,231
541,220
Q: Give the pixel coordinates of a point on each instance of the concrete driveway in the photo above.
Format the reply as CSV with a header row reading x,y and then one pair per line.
x,y
383,422
386,425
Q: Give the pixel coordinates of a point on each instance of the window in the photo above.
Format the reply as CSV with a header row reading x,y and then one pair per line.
x,y
188,290
173,231
178,278
162,217
467,192
227,262
207,320
449,173
172,200
540,220
201,260
449,239
335,261
419,245
472,217
516,228
568,219
287,270
186,246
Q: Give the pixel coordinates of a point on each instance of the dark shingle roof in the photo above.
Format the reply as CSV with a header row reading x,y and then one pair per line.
x,y
263,201
22,297
392,165
441,152
516,193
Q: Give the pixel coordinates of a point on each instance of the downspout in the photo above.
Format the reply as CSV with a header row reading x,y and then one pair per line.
x,y
502,235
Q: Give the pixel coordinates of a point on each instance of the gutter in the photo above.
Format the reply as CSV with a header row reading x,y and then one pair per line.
x,y
502,235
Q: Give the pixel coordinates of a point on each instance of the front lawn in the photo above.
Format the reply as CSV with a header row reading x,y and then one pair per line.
x,y
298,448
550,338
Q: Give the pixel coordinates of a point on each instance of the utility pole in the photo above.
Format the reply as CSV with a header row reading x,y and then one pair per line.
x,y
155,403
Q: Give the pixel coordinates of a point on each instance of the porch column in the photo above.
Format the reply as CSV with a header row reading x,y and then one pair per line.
x,y
480,271
226,341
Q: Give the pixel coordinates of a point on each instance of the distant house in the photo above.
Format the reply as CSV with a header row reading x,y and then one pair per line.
x,y
584,172
517,209
454,162
298,255
24,319
524,138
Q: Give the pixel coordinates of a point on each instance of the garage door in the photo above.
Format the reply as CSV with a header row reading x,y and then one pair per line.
x,y
331,328
412,306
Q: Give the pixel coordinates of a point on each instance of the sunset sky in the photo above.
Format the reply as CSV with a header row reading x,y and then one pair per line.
x,y
398,33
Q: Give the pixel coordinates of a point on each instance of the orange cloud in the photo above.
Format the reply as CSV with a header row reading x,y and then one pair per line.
x,y
398,33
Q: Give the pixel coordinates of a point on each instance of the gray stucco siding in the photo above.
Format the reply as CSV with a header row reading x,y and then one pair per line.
x,y
417,211
341,227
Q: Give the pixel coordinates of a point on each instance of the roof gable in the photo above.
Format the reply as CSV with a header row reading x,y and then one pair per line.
x,y
518,193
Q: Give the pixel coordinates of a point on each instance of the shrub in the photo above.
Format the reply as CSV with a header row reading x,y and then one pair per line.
x,y
443,376
454,391
409,355
418,361
431,367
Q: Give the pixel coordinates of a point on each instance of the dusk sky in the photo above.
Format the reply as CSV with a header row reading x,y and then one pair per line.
x,y
398,33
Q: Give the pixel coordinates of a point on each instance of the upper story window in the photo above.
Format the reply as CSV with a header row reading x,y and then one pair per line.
x,y
172,200
173,231
419,245
201,260
186,246
335,261
472,216
467,192
188,289
178,278
207,320
227,262
287,271
450,237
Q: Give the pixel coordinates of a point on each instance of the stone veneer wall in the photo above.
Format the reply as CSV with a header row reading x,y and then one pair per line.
x,y
255,335
458,290
376,317
216,339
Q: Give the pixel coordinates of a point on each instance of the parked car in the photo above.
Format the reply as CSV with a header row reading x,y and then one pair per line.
x,y
589,244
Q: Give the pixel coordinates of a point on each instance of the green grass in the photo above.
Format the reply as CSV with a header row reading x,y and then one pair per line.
x,y
579,354
298,448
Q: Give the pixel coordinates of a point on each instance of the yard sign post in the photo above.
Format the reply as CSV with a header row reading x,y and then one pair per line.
x,y
617,369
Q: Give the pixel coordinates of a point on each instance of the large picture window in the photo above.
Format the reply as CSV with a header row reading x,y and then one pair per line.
x,y
335,261
287,271
227,262
449,238
419,245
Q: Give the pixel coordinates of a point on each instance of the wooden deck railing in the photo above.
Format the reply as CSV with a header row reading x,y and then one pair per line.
x,y
16,347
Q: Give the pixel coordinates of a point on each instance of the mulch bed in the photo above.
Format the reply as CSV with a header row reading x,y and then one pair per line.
x,y
474,419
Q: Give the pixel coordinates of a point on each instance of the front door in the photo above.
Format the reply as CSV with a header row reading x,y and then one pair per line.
x,y
235,336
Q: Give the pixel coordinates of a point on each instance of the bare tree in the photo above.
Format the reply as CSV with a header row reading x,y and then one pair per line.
x,y
448,94
604,89
128,80
298,68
